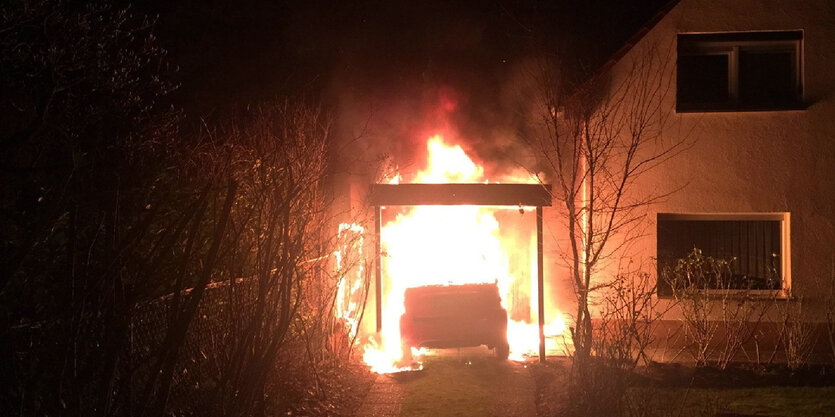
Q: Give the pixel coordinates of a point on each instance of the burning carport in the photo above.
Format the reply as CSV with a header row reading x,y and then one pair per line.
x,y
514,195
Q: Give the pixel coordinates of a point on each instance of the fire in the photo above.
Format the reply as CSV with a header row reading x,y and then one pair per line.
x,y
448,164
443,245
350,267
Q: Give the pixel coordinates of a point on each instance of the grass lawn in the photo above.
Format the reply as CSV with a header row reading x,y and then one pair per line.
x,y
767,401
781,401
456,386
670,395
450,388
463,386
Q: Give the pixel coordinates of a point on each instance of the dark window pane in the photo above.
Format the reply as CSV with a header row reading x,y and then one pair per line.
x,y
751,247
702,80
767,78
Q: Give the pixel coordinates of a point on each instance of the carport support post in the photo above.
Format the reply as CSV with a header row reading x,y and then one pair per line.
x,y
378,268
540,294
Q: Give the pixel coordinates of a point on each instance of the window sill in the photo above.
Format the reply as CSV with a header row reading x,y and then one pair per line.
x,y
739,294
739,109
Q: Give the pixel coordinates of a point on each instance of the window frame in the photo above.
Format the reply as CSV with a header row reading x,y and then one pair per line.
x,y
785,247
731,44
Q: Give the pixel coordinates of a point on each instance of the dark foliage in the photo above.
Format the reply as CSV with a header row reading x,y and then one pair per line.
x,y
146,271
83,139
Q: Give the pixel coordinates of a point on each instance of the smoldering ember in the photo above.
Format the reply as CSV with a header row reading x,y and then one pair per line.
x,y
503,208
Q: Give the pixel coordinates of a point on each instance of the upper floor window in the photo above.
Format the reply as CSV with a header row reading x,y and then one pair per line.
x,y
752,247
734,71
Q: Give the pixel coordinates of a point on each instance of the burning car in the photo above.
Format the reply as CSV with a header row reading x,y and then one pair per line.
x,y
446,316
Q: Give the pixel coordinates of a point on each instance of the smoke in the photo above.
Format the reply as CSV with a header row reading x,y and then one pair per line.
x,y
460,74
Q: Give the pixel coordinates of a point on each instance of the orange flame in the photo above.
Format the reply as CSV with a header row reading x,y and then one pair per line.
x,y
350,269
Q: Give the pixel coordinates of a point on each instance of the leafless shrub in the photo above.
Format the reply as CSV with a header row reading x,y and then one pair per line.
x,y
622,334
628,314
797,335
279,239
718,320
269,321
688,278
742,314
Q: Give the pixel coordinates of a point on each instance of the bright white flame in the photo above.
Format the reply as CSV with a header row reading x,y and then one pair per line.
x,y
448,164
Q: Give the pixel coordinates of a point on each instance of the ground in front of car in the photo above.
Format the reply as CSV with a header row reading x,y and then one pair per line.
x,y
455,382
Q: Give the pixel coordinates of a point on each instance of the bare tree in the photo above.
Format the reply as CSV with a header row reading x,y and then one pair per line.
x,y
598,140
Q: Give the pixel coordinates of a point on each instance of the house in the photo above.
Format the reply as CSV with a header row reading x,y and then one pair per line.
x,y
750,94
752,90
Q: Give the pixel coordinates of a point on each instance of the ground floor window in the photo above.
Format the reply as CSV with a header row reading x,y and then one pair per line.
x,y
753,247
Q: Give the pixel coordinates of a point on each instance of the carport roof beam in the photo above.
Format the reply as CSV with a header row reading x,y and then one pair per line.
x,y
530,195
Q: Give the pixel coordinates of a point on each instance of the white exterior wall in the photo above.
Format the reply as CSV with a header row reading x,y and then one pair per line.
x,y
755,162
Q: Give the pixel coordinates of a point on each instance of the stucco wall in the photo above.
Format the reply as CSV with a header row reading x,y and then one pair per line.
x,y
759,161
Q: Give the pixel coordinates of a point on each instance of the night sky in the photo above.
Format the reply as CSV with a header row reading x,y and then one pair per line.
x,y
393,72
244,51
